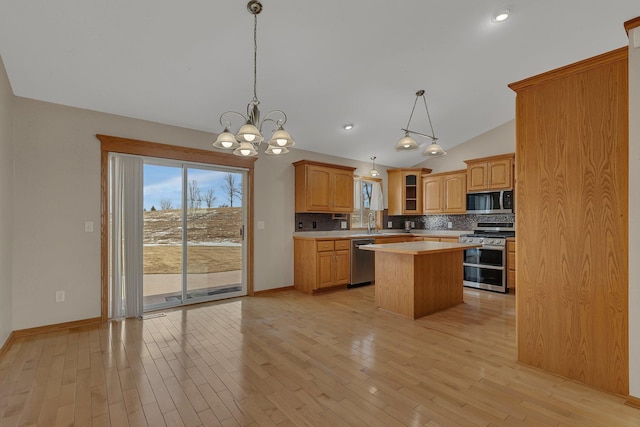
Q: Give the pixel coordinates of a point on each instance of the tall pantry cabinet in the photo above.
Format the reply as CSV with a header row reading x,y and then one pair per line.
x,y
572,221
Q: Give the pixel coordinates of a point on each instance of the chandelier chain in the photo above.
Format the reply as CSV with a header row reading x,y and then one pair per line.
x,y
255,56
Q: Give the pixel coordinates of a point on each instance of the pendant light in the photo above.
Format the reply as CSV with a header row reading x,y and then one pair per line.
x,y
249,137
374,171
407,142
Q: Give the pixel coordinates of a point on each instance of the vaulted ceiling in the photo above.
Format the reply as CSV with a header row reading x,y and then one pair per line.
x,y
325,63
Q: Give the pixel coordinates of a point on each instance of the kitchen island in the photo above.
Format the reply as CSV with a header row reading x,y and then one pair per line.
x,y
415,279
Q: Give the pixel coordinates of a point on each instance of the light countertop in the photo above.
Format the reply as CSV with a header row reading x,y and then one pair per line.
x,y
419,248
349,234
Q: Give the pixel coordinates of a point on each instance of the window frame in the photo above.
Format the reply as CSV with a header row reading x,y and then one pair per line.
x,y
357,212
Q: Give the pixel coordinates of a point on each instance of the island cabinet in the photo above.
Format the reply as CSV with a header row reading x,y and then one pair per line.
x,y
323,187
444,193
405,190
511,263
320,264
490,173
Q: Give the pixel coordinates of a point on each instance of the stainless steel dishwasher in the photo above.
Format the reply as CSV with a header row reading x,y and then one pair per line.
x,y
362,263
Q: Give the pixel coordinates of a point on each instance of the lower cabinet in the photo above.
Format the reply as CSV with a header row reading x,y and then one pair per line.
x,y
321,264
511,264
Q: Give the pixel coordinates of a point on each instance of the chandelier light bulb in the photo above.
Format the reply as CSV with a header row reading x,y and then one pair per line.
x,y
276,150
281,142
226,144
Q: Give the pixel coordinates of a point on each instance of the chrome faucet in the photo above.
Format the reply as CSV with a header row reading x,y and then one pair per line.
x,y
371,218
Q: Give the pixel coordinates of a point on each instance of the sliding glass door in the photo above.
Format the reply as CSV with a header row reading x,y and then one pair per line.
x,y
194,221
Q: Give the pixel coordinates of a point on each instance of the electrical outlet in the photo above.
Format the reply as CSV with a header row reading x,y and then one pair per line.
x,y
449,224
314,225
59,296
413,224
260,225
88,226
299,224
343,225
389,224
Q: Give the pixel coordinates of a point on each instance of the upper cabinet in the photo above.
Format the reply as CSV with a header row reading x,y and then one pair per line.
x,y
323,187
445,193
490,173
405,190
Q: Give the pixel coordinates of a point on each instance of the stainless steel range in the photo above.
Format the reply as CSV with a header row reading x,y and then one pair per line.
x,y
486,267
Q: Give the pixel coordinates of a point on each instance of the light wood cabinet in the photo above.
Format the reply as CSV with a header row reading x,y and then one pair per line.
x,y
572,250
490,173
405,190
323,188
321,264
444,193
511,263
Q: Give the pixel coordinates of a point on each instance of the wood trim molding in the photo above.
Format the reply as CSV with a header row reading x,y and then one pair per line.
x,y
7,344
328,165
57,327
273,291
115,144
620,54
631,24
633,401
491,158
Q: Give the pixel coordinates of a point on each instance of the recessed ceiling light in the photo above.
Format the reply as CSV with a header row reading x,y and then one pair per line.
x,y
348,127
501,16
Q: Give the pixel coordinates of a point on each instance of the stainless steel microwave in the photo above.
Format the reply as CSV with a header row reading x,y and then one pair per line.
x,y
490,202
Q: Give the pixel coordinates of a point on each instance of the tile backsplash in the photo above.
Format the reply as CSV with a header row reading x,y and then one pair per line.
x,y
325,222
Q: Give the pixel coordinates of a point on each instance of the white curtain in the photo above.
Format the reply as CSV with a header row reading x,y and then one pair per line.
x,y
357,193
377,202
125,229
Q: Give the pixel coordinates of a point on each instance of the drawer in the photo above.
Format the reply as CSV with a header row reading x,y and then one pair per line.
x,y
511,260
324,245
341,245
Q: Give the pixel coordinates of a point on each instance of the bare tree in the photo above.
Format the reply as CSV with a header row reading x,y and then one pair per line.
x,y
231,188
209,197
193,194
165,204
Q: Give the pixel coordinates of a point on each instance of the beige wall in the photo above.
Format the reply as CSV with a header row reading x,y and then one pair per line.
x,y
6,203
500,140
634,212
57,175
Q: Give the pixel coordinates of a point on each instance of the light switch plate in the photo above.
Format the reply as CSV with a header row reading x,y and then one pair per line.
x,y
389,224
343,225
88,226
260,225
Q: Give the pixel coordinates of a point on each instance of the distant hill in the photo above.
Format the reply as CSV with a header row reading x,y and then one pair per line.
x,y
205,225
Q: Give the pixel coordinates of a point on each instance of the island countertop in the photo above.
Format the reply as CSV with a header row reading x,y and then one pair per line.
x,y
419,248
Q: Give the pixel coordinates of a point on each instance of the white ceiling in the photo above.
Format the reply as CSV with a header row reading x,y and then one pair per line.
x,y
325,63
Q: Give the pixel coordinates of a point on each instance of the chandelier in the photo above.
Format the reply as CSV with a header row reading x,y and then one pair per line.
x,y
409,143
249,137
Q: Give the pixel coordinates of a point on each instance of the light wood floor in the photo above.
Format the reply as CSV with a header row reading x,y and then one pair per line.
x,y
288,359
